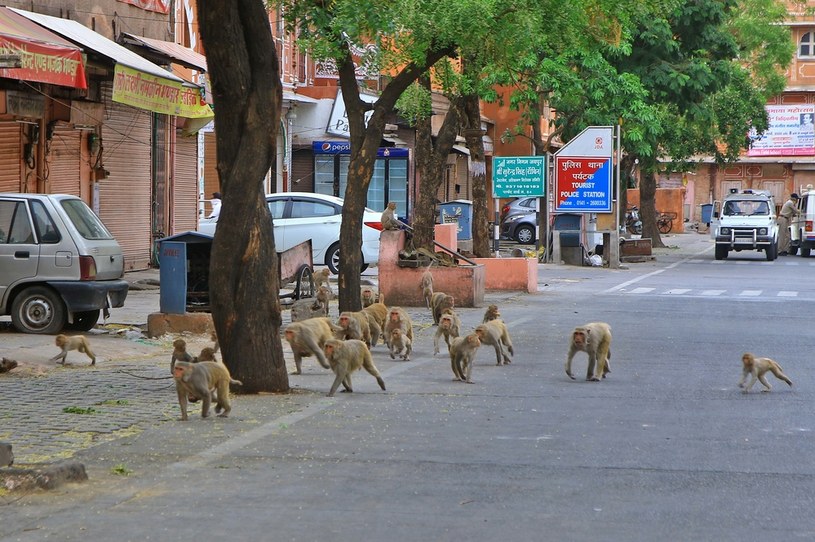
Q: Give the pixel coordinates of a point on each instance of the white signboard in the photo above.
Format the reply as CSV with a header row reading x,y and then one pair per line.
x,y
791,132
338,122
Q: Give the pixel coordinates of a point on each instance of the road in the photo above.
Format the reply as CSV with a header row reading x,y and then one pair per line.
x,y
666,447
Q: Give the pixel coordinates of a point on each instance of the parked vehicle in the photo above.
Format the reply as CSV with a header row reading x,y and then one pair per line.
x,y
802,228
518,206
745,221
300,216
632,220
59,265
519,221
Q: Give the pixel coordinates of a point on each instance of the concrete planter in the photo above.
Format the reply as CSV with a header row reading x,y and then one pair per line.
x,y
510,273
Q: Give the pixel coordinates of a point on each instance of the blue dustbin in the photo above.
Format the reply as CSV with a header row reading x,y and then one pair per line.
x,y
458,211
707,211
184,272
568,221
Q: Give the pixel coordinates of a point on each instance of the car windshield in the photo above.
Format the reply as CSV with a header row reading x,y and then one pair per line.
x,y
746,208
84,220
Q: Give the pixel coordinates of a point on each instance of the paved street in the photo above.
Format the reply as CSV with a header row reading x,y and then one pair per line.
x,y
667,446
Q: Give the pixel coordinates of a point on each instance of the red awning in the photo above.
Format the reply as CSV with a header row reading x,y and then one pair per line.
x,y
45,57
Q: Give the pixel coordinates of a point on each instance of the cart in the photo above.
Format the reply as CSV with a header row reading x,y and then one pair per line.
x,y
295,269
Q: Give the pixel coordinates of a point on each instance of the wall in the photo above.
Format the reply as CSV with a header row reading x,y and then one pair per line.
x,y
668,200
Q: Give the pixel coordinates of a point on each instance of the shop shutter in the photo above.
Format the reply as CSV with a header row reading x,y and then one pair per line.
x,y
10,157
184,192
125,195
64,161
302,170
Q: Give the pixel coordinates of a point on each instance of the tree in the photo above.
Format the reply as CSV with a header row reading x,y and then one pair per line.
x,y
244,282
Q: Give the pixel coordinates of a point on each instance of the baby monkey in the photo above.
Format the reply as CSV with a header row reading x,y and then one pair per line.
x,y
757,367
77,342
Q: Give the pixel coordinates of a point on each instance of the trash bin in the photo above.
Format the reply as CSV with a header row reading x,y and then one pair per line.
x,y
184,272
707,211
568,221
458,211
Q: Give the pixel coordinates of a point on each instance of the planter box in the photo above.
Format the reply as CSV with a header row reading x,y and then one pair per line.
x,y
400,285
510,273
635,247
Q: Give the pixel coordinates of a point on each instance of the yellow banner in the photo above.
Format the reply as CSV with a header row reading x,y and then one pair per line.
x,y
138,89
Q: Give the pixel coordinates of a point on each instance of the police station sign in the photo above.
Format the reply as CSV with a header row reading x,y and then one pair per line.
x,y
583,172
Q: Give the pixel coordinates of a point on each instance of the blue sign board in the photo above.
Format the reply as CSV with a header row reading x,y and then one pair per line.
x,y
516,176
344,147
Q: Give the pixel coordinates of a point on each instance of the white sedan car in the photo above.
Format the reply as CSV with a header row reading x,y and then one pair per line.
x,y
300,216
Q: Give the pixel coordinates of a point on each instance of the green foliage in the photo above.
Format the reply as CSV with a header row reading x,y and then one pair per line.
x,y
80,410
415,104
121,470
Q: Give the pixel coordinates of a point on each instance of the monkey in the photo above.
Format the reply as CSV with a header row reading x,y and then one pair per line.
x,y
179,353
495,332
492,313
374,328
368,296
426,285
438,302
307,338
462,354
595,340
389,220
379,311
214,337
449,326
76,342
198,380
346,357
207,354
353,325
321,279
7,364
303,309
757,367
398,318
400,345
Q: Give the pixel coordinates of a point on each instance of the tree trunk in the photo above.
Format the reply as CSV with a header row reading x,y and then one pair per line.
x,y
648,213
365,140
431,161
244,281
478,175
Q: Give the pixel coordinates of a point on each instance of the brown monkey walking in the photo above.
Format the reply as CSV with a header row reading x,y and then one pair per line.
x,y
345,357
321,279
179,353
353,325
198,380
426,285
449,327
438,302
757,367
306,308
400,345
492,313
495,332
307,338
595,340
398,318
368,295
76,342
389,220
462,354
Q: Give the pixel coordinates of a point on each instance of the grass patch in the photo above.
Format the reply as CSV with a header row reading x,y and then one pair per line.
x,y
80,410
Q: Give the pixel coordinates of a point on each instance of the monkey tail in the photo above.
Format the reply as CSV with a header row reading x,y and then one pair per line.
x,y
236,382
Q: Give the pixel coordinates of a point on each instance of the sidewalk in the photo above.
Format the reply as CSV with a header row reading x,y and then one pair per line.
x,y
54,411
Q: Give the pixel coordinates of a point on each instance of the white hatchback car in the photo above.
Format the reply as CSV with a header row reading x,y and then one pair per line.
x,y
300,216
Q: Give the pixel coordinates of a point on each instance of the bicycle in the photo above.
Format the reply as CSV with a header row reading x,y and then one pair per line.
x,y
665,222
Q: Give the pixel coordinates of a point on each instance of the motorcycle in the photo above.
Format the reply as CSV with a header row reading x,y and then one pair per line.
x,y
632,220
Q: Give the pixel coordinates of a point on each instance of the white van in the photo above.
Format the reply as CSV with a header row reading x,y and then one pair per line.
x,y
59,265
802,227
745,221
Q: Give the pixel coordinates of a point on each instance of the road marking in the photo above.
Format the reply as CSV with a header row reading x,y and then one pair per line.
x,y
787,293
641,290
653,273
750,293
713,292
677,291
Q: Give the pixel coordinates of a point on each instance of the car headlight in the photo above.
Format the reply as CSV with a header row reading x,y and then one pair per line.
x,y
724,231
762,231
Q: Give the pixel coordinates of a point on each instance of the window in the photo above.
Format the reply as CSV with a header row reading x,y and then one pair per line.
x,y
86,223
310,209
806,48
46,230
15,224
276,208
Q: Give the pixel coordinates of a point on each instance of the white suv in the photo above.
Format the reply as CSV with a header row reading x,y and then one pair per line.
x,y
745,221
802,228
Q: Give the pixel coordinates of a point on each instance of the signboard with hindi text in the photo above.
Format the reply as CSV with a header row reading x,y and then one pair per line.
x,y
583,172
518,176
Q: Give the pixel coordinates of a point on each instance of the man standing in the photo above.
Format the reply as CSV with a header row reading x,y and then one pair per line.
x,y
788,211
216,205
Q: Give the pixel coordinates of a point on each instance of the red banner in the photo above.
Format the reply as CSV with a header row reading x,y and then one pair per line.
x,y
45,63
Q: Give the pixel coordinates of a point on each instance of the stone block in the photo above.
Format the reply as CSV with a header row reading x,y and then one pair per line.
x,y
159,323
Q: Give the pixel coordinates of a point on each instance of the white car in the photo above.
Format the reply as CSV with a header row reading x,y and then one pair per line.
x,y
300,216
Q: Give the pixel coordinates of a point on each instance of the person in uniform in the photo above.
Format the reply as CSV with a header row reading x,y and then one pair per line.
x,y
788,211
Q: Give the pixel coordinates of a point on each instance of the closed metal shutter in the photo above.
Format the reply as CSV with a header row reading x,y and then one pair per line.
x,y
184,192
10,157
63,161
302,170
124,197
211,181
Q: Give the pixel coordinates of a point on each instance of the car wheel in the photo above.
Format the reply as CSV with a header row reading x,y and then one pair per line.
x,y
332,259
805,252
38,310
721,252
793,250
84,321
525,235
772,252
